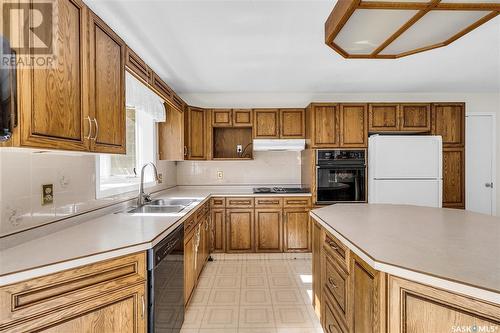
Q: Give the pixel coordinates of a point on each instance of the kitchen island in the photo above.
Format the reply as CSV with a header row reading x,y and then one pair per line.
x,y
405,269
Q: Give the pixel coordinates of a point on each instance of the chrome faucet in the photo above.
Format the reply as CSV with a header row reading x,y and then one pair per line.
x,y
145,197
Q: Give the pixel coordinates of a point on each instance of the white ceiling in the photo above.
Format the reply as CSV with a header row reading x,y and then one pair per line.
x,y
278,46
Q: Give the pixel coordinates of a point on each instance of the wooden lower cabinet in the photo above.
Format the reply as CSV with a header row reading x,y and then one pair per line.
x,y
316,268
218,230
364,300
190,264
268,230
240,230
415,308
108,296
296,230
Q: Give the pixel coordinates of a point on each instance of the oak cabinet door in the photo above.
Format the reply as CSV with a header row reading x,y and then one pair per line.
x,y
266,124
107,88
222,118
190,266
218,230
296,230
316,268
240,230
353,125
325,126
268,230
383,117
454,177
415,117
53,100
448,120
242,118
292,123
171,135
196,134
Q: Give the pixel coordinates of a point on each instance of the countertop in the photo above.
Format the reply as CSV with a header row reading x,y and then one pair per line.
x,y
433,244
105,237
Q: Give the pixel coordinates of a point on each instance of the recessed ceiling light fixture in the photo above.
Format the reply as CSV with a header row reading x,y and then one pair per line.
x,y
389,29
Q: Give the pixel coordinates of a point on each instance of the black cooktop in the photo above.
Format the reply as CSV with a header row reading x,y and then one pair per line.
x,y
276,189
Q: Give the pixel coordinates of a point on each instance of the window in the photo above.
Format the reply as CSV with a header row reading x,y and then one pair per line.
x,y
117,174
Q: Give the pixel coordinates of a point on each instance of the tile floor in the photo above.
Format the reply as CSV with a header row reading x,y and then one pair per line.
x,y
253,294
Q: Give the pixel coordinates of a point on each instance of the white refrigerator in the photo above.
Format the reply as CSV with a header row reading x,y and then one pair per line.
x,y
405,169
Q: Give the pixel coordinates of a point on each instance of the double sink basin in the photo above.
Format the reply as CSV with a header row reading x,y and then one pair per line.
x,y
162,206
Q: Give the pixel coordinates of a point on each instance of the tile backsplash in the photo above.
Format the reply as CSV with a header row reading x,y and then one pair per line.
x,y
24,171
272,168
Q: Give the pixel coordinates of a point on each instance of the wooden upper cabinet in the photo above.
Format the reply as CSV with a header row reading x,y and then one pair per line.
x,y
161,87
292,123
454,178
195,132
353,125
54,100
325,125
415,117
448,120
240,230
107,88
383,117
266,124
138,67
222,118
242,118
171,135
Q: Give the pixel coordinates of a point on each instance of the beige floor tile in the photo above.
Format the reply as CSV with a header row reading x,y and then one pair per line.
x,y
254,282
220,317
232,269
254,269
206,282
227,281
255,297
279,268
290,316
257,330
281,281
210,269
189,330
218,330
200,297
193,317
286,296
299,330
223,297
256,316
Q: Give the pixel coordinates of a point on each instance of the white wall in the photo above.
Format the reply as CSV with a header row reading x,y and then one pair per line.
x,y
475,102
24,171
267,168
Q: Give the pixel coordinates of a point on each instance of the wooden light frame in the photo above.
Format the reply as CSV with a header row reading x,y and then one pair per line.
x,y
344,9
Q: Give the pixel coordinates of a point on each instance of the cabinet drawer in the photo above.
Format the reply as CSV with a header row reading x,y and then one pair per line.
x,y
51,293
189,224
202,211
268,202
336,282
334,248
297,202
218,202
239,202
331,322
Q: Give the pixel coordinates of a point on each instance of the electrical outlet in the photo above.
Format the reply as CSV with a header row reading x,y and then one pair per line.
x,y
160,178
239,149
220,175
47,194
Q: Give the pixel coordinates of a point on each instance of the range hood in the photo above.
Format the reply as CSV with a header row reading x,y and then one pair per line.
x,y
279,144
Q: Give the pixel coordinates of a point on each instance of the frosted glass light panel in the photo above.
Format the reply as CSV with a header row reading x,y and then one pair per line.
x,y
367,29
434,28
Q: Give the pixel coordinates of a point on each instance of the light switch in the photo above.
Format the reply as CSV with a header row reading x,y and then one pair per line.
x,y
47,194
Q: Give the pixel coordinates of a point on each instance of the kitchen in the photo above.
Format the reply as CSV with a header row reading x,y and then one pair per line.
x,y
153,191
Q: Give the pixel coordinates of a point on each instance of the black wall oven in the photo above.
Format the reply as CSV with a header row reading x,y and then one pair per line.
x,y
341,176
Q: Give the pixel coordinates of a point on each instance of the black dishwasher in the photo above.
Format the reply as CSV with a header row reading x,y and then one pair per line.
x,y
166,284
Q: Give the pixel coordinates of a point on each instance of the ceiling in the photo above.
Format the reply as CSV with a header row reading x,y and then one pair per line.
x,y
249,46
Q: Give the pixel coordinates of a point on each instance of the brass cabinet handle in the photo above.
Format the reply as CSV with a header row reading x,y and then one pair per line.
x,y
185,151
331,282
96,129
333,245
143,306
90,128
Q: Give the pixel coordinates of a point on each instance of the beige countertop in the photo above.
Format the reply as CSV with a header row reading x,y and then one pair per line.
x,y
104,237
447,244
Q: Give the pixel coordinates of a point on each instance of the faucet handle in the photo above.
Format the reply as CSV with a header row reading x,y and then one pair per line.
x,y
147,198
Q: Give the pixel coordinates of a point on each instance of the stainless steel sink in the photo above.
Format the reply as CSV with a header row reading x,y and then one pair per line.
x,y
170,202
156,209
